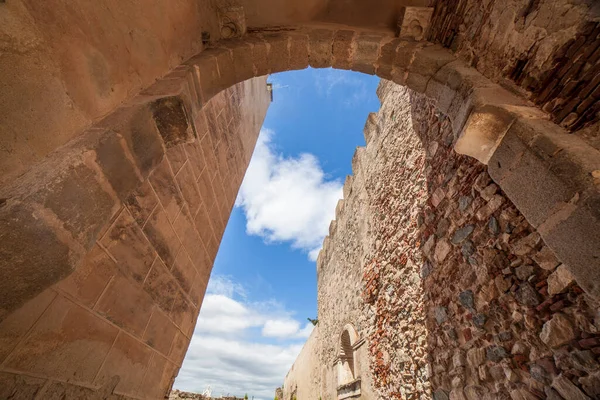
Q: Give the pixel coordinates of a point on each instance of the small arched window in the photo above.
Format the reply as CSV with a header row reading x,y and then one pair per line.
x,y
348,370
346,362
346,357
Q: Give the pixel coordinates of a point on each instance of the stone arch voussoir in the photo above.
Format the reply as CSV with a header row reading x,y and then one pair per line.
x,y
460,91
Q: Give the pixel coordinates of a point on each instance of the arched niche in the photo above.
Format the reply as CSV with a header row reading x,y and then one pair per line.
x,y
348,375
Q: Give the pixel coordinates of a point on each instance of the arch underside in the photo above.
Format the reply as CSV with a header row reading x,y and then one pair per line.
x,y
544,171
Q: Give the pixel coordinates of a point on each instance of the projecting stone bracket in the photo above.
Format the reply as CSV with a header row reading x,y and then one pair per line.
x,y
232,22
414,22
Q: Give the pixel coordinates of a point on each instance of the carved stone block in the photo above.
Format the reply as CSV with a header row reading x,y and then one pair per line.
x,y
232,21
414,22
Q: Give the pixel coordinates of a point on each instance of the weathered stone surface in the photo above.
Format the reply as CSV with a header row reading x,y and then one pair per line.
x,y
171,120
441,315
567,389
462,268
479,320
320,48
138,129
440,394
490,270
461,234
495,353
559,280
524,271
26,268
126,304
546,259
591,384
476,357
54,346
557,331
126,242
102,327
442,249
548,73
527,295
467,300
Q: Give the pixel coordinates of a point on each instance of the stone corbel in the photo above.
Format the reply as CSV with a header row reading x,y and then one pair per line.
x,y
414,22
232,22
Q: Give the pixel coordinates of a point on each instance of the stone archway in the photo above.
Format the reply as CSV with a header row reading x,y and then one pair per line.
x,y
110,166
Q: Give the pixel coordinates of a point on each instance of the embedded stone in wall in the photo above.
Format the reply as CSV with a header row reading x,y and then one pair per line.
x,y
549,48
232,22
414,22
558,331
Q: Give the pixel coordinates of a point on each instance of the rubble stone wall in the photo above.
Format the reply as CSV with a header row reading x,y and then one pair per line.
x,y
119,325
457,295
548,48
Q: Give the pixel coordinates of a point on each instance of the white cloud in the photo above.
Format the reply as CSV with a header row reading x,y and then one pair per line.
x,y
288,199
225,285
286,328
329,79
235,367
306,331
221,314
233,348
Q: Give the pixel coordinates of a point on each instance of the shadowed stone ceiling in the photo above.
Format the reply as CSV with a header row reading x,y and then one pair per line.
x,y
373,14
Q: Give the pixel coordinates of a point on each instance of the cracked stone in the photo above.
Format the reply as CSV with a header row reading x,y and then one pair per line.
x,y
557,331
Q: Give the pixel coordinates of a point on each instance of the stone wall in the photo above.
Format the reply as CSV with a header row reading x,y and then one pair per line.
x,y
119,325
503,318
455,293
548,48
64,65
304,377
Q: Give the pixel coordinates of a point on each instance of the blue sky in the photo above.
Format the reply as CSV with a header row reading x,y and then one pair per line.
x,y
253,320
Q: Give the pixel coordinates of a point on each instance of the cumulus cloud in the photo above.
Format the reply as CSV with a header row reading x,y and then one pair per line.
x,y
286,328
235,367
288,199
240,346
